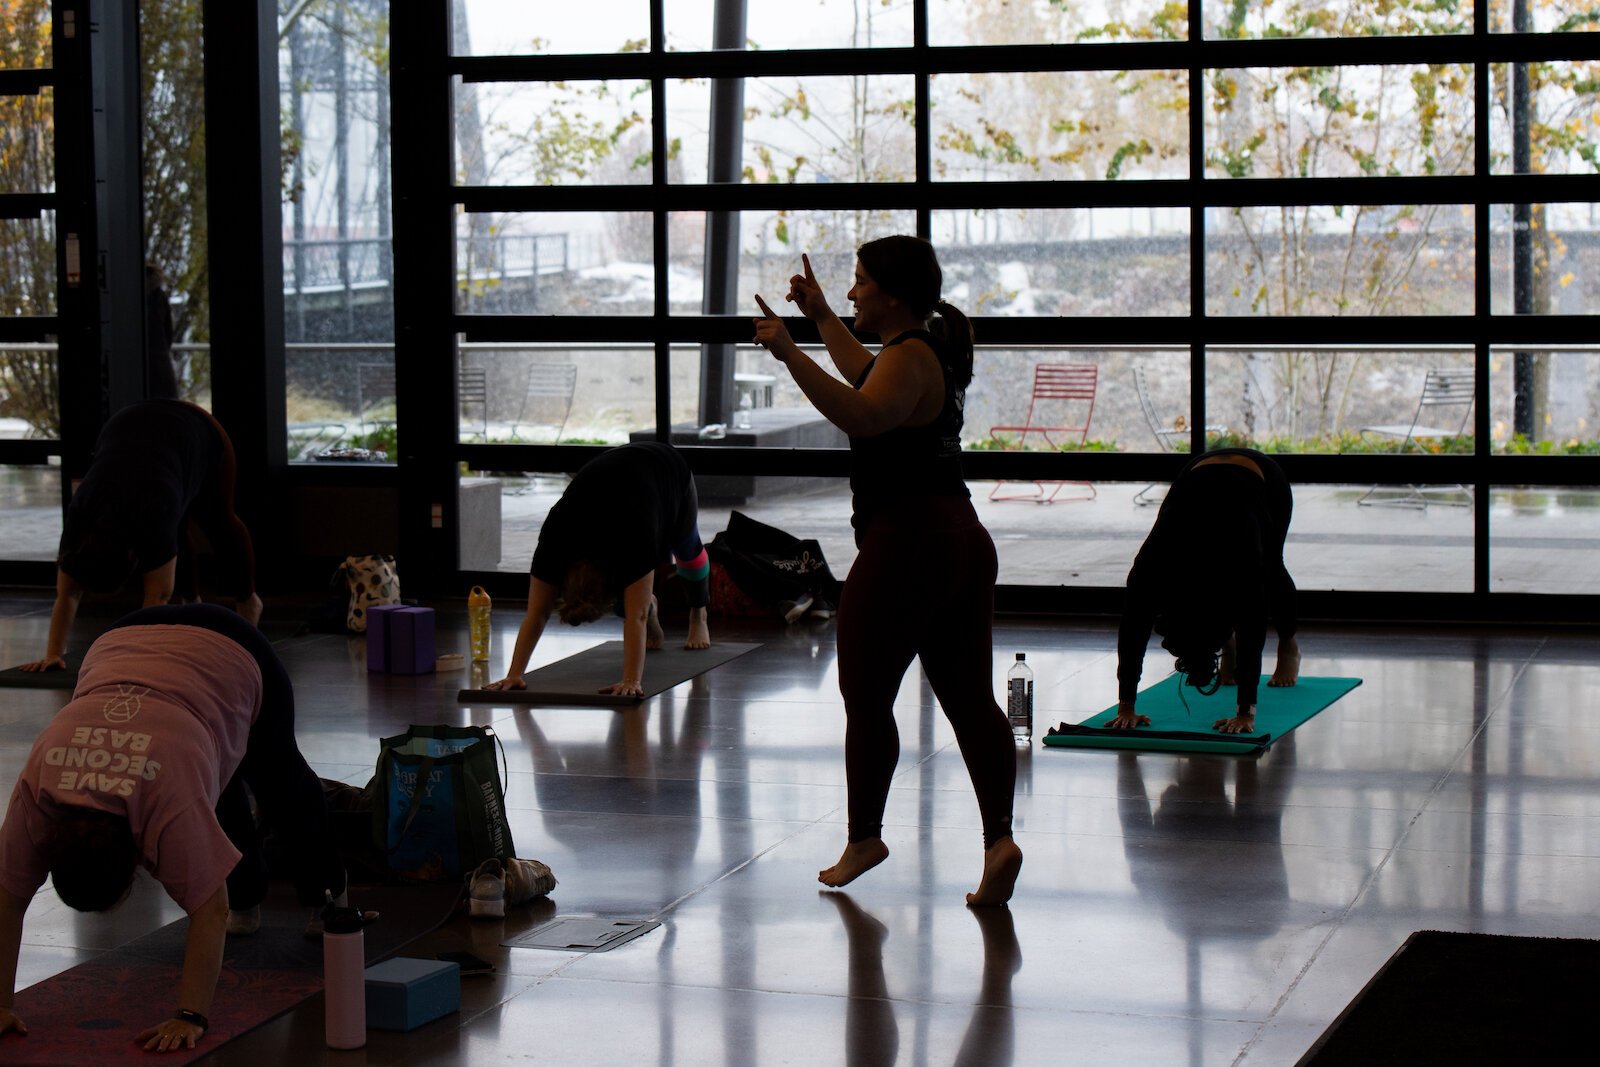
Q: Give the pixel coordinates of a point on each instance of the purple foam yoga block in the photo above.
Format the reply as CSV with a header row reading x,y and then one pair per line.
x,y
378,635
411,641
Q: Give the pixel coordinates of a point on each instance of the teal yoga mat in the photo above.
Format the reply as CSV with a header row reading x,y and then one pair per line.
x,y
1174,729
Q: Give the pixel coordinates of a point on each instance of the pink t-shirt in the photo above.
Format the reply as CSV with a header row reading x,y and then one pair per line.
x,y
155,730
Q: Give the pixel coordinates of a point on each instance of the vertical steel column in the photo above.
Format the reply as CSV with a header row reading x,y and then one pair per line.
x,y
297,173
77,243
1521,229
118,268
341,150
245,226
1483,300
660,247
424,293
722,227
1197,232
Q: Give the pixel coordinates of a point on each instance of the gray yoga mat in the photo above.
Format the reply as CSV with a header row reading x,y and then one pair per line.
x,y
577,679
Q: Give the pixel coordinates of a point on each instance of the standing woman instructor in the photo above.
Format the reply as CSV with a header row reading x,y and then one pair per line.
x,y
922,585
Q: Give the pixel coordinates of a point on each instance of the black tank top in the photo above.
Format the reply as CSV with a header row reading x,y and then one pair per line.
x,y
908,460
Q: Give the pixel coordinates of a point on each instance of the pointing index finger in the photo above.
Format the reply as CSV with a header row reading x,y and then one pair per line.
x,y
805,261
768,312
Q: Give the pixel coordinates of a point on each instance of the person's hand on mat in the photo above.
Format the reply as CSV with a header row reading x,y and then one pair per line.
x,y
1127,718
773,335
171,1035
49,663
624,689
510,681
806,294
1242,723
10,1020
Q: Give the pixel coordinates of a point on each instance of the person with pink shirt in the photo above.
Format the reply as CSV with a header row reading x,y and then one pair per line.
x,y
181,714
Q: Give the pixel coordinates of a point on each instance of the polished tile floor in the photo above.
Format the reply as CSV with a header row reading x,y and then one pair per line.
x,y
1171,910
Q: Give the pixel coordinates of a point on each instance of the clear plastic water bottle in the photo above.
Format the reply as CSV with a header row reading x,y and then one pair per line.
x,y
478,623
1019,699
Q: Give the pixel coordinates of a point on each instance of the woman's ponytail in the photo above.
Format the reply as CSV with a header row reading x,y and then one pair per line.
x,y
955,329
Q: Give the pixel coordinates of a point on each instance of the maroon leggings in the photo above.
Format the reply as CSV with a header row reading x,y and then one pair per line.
x,y
923,586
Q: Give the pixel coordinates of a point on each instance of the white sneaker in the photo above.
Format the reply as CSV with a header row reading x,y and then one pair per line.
x,y
245,922
527,879
793,609
486,893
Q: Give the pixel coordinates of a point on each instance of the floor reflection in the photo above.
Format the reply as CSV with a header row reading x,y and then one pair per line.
x,y
871,1036
1212,865
1175,910
871,1032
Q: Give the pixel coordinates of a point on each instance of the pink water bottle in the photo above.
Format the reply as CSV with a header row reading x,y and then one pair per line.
x,y
344,977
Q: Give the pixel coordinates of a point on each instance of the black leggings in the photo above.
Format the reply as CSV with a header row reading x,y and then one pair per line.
x,y
923,587
287,791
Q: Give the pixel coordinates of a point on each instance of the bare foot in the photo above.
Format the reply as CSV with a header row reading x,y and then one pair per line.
x,y
1228,662
1287,670
858,858
250,610
653,634
699,634
1002,862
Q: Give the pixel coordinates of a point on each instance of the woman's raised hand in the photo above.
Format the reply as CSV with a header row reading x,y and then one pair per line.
x,y
806,294
772,334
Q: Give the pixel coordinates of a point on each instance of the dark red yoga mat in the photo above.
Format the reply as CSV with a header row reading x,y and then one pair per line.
x,y
90,1013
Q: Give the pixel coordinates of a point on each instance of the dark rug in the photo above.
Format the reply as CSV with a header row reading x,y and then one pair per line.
x,y
577,679
90,1013
1470,999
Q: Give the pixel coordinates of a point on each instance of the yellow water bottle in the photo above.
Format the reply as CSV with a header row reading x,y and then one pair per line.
x,y
478,623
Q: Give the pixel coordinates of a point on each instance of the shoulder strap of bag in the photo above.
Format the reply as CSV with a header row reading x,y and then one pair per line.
x,y
424,772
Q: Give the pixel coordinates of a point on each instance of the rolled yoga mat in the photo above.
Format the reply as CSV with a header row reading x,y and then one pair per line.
x,y
1175,727
17,678
577,679
276,631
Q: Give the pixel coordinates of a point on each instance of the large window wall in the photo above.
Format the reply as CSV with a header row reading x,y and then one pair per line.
x,y
1269,225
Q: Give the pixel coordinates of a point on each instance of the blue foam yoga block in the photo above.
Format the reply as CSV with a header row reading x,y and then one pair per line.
x,y
404,993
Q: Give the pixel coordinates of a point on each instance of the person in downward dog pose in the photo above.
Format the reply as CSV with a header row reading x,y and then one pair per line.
x,y
622,514
158,466
181,715
1208,579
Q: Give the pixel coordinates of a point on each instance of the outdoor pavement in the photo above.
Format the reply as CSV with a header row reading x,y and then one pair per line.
x,y
1542,540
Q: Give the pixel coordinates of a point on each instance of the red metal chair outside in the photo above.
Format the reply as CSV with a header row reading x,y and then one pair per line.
x,y
1060,411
